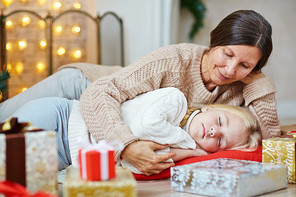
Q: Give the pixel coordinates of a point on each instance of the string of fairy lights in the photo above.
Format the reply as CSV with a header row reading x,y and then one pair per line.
x,y
21,44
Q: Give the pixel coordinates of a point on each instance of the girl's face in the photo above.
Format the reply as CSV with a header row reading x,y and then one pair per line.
x,y
215,130
227,64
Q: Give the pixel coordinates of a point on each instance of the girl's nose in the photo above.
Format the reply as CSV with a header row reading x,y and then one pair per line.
x,y
213,132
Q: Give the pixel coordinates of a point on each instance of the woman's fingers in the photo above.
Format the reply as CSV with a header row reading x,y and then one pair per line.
x,y
141,154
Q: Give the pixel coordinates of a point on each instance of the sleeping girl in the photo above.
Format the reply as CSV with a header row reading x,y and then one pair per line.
x,y
160,116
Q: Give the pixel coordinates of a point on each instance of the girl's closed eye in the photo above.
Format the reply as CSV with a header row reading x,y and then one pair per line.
x,y
219,121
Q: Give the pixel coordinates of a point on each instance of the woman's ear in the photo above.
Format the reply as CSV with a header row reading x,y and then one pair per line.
x,y
206,108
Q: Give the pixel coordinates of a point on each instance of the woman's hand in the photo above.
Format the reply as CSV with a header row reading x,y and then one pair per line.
x,y
255,74
141,154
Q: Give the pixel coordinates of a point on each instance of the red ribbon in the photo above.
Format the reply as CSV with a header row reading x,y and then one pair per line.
x,y
12,189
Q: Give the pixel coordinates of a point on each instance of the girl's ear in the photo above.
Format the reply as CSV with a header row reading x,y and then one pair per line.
x,y
206,108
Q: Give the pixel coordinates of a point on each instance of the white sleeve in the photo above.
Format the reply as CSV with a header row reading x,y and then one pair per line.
x,y
159,117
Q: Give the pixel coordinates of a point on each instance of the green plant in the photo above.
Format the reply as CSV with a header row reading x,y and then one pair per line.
x,y
197,9
4,76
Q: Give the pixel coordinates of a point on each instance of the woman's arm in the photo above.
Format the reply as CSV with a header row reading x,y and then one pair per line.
x,y
186,153
259,95
100,102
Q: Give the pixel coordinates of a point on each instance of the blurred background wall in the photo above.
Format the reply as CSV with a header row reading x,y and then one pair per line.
x,y
148,25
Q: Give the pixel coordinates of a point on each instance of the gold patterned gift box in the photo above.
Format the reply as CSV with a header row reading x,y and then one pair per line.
x,y
228,177
30,159
123,185
280,150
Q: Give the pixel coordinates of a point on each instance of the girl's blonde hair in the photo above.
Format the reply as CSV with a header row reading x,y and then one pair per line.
x,y
250,123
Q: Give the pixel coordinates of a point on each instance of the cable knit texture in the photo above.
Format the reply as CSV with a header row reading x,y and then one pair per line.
x,y
171,66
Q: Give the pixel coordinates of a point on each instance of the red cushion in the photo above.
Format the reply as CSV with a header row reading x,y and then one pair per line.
x,y
231,154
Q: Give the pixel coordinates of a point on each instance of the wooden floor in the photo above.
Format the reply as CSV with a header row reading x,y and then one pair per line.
x,y
163,188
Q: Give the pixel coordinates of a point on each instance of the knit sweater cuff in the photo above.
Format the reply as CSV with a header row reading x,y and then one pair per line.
x,y
121,140
258,89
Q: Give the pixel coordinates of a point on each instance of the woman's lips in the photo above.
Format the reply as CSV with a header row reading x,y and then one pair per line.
x,y
222,77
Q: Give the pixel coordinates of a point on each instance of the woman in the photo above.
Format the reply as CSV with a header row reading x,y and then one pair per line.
x,y
228,72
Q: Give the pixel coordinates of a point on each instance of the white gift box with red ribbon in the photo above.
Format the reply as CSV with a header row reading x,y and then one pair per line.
x,y
96,162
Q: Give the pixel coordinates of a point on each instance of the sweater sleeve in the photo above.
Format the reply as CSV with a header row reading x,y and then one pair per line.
x,y
159,117
260,98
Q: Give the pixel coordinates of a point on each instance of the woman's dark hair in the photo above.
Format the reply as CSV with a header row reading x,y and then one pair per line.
x,y
244,27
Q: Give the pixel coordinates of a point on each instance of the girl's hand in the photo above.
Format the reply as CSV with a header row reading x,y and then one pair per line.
x,y
199,152
141,154
255,74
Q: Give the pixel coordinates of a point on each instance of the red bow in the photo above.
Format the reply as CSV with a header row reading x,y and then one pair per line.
x,y
12,189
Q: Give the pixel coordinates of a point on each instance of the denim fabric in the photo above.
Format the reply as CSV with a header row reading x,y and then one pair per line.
x,y
67,83
50,114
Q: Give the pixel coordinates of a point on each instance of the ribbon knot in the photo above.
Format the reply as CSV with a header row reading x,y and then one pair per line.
x,y
12,126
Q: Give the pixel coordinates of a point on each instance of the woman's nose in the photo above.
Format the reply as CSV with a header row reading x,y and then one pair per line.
x,y
230,68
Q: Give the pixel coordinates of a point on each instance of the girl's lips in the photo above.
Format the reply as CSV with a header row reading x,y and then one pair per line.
x,y
203,131
222,77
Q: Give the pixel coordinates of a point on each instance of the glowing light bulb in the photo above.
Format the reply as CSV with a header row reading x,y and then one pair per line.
x,y
24,89
42,44
77,54
76,29
19,67
22,44
25,20
24,1
41,24
7,2
77,5
61,51
58,29
9,24
40,67
41,2
57,5
9,67
9,46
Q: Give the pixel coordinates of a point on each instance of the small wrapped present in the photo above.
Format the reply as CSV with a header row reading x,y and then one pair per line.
x,y
96,162
286,129
28,157
123,185
281,150
228,177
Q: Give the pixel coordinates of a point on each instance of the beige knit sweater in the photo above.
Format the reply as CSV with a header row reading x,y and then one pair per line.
x,y
171,66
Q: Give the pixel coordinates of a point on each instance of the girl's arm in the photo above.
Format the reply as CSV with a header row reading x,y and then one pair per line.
x,y
185,153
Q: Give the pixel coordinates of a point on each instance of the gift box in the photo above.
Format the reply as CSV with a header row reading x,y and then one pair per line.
x,y
123,185
280,150
96,162
228,177
286,129
28,157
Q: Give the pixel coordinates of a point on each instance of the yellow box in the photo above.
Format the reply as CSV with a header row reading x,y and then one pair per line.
x,y
280,150
123,185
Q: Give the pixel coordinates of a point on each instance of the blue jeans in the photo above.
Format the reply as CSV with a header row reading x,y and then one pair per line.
x,y
50,114
67,83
